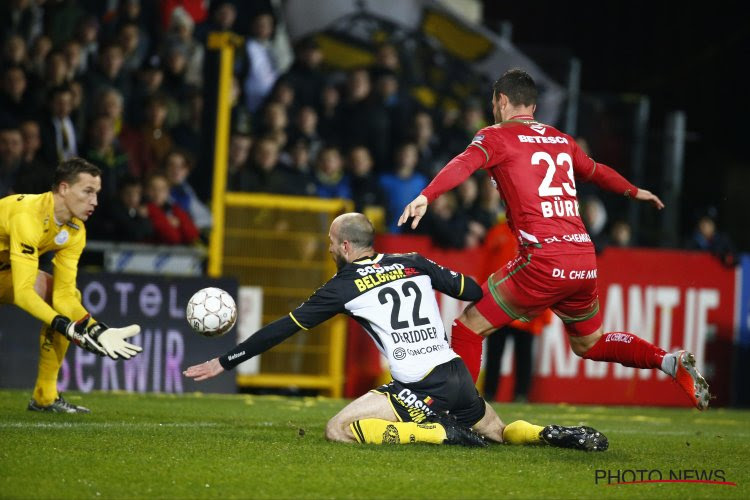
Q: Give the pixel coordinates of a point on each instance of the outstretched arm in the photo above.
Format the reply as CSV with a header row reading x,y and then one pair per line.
x,y
454,173
264,339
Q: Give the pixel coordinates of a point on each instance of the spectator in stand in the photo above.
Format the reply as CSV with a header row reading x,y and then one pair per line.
x,y
133,47
180,33
330,178
242,119
15,101
187,133
375,131
75,57
486,209
175,85
177,166
594,216
55,74
240,145
468,197
305,75
41,46
264,174
330,121
172,225
299,168
366,191
261,69
275,119
306,127
149,81
87,34
447,226
13,51
283,93
621,235
103,150
109,72
108,102
59,136
11,158
431,159
78,105
129,215
458,135
223,18
149,144
21,18
32,142
706,237
397,105
401,186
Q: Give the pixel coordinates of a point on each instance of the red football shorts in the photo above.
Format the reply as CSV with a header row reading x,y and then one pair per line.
x,y
531,283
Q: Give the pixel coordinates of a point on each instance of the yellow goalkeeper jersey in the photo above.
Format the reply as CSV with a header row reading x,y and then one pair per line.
x,y
27,230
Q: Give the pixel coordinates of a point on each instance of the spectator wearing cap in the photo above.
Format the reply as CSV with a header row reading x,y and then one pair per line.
x,y
180,37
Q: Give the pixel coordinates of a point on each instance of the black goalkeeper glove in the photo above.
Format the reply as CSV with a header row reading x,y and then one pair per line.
x,y
77,333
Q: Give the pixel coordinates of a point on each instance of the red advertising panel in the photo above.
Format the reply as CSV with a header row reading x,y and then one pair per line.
x,y
674,299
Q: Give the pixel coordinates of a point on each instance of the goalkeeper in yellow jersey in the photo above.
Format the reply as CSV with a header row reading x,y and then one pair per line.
x,y
31,225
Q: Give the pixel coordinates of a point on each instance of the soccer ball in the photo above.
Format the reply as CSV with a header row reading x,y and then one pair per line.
x,y
211,312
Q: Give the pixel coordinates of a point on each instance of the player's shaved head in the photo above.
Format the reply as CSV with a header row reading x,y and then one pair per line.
x,y
354,228
518,86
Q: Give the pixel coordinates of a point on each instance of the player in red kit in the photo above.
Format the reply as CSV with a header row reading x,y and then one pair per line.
x,y
535,168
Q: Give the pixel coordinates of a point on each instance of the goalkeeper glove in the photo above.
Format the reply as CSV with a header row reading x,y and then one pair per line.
x,y
77,333
112,340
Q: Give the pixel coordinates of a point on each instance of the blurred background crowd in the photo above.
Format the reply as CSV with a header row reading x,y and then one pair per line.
x,y
121,83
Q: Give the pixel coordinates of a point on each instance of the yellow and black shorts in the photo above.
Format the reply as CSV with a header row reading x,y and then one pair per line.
x,y
448,387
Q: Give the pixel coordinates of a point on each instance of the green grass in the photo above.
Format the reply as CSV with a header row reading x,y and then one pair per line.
x,y
210,446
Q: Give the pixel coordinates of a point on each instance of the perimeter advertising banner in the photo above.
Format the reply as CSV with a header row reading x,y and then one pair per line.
x,y
169,344
675,299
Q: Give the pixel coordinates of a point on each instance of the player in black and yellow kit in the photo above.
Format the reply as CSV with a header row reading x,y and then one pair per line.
x,y
432,398
31,225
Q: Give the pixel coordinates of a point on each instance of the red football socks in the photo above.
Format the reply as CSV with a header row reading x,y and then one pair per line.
x,y
626,349
468,345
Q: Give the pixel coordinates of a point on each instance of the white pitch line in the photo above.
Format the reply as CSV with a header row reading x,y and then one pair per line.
x,y
69,425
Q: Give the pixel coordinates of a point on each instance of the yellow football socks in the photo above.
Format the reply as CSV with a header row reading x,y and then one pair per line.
x,y
522,432
378,431
52,348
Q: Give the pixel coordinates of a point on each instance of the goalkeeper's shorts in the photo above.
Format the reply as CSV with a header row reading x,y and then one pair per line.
x,y
447,387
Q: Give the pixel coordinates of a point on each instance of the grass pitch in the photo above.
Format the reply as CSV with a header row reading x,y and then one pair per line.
x,y
210,446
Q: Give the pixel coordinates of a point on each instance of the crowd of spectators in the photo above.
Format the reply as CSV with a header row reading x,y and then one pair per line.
x,y
121,84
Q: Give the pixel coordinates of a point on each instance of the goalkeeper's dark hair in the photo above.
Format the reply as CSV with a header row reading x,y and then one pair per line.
x,y
356,229
518,86
69,170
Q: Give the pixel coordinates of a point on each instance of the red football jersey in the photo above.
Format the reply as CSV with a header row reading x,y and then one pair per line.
x,y
534,167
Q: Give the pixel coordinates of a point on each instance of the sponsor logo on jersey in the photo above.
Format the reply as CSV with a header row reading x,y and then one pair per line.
x,y
418,409
374,280
27,249
576,238
574,274
399,353
426,350
413,336
235,356
378,269
62,237
477,139
538,127
543,140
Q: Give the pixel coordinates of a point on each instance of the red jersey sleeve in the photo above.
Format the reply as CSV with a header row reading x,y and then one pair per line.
x,y
476,155
600,174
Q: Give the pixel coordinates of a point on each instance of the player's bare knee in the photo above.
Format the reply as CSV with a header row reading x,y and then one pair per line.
x,y
336,431
581,345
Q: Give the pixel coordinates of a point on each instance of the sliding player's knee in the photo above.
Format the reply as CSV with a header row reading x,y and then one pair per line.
x,y
336,430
